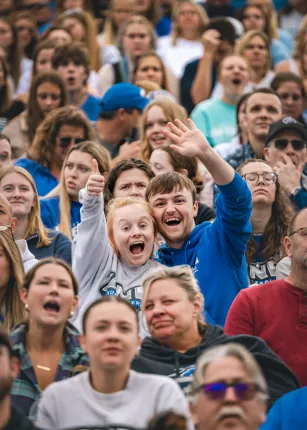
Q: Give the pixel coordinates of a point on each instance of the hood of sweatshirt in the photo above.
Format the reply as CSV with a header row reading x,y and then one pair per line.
x,y
187,253
27,257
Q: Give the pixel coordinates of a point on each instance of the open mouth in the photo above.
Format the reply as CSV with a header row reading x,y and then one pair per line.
x,y
71,80
137,248
158,138
52,307
236,81
172,221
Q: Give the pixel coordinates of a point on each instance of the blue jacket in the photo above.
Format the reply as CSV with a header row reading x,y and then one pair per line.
x,y
50,213
60,247
289,412
44,180
91,108
216,251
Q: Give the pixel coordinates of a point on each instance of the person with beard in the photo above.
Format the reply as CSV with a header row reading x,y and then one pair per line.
x,y
228,390
216,118
10,417
173,308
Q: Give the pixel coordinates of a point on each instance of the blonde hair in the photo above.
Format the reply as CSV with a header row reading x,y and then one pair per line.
x,y
121,202
35,224
171,110
300,45
141,20
245,40
88,22
110,30
185,279
11,305
223,351
103,159
202,14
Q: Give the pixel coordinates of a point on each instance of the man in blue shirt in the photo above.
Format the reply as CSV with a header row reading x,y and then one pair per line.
x,y
215,251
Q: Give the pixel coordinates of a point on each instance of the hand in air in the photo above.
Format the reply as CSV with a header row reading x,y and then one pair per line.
x,y
95,182
189,142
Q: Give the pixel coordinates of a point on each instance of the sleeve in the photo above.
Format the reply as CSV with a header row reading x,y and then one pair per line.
x,y
172,398
63,248
274,418
47,215
106,78
300,199
91,246
186,83
47,411
241,317
231,229
279,52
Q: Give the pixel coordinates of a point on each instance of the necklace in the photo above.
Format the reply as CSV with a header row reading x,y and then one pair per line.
x,y
43,368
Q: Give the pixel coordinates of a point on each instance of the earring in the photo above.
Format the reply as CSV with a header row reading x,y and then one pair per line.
x,y
27,307
71,314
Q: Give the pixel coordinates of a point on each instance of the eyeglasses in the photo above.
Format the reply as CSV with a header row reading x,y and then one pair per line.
x,y
66,141
32,6
294,97
133,36
253,177
5,228
302,231
297,144
217,390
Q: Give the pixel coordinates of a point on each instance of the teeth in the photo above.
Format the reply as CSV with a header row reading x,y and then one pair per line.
x,y
137,243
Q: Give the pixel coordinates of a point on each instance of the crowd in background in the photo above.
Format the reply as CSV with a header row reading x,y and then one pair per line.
x,y
153,214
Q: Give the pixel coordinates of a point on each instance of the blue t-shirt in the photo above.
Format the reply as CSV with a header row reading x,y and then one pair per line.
x,y
164,26
44,180
91,107
50,214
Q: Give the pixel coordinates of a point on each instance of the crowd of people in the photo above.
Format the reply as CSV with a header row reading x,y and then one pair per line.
x,y
153,214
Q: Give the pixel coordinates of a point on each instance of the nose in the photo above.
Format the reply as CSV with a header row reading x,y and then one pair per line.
x,y
230,395
135,191
260,180
289,149
49,101
136,231
54,289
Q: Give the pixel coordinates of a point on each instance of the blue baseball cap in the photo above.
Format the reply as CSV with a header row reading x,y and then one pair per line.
x,y
125,96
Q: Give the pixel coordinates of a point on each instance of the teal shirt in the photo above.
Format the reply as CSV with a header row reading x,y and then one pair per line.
x,y
216,120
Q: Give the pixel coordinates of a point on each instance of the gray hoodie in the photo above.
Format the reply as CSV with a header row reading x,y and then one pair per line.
x,y
27,257
98,269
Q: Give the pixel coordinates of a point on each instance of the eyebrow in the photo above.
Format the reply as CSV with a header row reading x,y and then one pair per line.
x,y
144,217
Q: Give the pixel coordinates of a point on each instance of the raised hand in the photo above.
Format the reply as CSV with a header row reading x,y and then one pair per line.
x,y
211,40
130,150
289,175
189,142
95,182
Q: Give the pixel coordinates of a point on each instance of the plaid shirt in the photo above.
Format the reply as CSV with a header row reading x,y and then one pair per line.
x,y
25,390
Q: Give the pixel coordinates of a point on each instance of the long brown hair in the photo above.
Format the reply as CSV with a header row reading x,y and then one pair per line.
x,y
11,305
97,152
35,224
46,134
13,53
110,29
5,91
276,228
165,83
33,113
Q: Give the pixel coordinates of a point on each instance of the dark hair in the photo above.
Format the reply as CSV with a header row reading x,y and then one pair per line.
x,y
46,34
276,228
111,114
167,183
283,77
241,100
14,52
5,92
30,48
168,421
121,167
5,341
264,90
293,220
5,137
138,60
266,29
50,260
71,52
108,299
33,113
224,27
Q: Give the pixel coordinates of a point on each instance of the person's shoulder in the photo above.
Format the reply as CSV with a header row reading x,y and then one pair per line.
x,y
57,236
151,380
50,201
27,163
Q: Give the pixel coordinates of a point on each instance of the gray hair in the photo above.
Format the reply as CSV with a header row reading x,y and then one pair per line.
x,y
185,278
229,350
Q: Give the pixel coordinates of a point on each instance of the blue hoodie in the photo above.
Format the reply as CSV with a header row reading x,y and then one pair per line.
x,y
44,180
289,412
216,251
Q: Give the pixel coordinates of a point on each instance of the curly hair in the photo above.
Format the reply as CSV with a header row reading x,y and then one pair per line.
x,y
46,134
276,228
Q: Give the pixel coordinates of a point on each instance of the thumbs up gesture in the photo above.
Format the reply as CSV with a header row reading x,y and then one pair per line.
x,y
95,182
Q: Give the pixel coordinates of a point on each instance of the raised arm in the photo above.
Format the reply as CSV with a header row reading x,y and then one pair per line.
x,y
92,247
190,142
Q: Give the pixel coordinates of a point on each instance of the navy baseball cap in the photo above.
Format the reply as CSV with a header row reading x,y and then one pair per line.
x,y
286,123
125,96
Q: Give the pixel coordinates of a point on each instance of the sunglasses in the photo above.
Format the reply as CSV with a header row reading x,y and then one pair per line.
x,y
297,144
242,390
65,142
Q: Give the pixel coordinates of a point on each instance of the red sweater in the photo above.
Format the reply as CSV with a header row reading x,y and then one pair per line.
x,y
277,313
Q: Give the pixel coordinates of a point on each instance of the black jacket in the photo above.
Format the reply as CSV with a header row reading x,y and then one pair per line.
x,y
156,358
19,422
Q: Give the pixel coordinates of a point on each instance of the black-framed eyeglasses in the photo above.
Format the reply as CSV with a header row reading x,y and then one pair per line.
x,y
253,177
301,230
66,141
297,144
242,390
